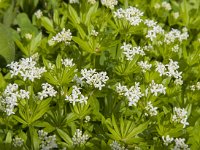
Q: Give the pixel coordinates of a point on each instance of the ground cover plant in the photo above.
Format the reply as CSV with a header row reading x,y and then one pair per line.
x,y
108,74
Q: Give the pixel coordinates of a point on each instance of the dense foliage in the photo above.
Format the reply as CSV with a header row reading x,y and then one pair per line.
x,y
108,74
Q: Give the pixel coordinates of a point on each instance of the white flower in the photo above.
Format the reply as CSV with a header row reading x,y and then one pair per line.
x,y
67,62
47,90
38,14
79,138
175,15
166,6
178,81
180,116
9,98
131,14
172,69
109,3
180,144
97,79
144,65
87,118
64,36
18,142
73,1
116,146
151,110
198,85
47,142
175,48
24,94
150,23
94,33
131,51
28,36
92,1
27,69
157,6
154,31
76,96
156,88
133,94
167,140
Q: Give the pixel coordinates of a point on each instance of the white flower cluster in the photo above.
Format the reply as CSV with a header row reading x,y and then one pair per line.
x,y
175,15
18,142
109,3
28,36
92,1
94,33
175,48
67,62
164,5
133,94
76,96
167,140
179,143
47,142
27,69
38,14
97,79
180,116
10,96
131,51
63,36
175,35
73,1
170,70
131,14
151,110
157,88
79,138
116,146
47,90
87,119
154,30
144,65
195,86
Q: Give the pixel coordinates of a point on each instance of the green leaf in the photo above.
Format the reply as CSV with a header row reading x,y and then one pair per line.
x,y
73,15
19,119
7,47
65,136
8,137
83,44
25,24
35,42
137,130
21,47
47,24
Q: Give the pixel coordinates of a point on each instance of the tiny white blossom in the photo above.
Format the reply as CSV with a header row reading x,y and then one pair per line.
x,y
94,33
79,138
92,1
116,146
131,51
63,36
18,142
175,48
28,36
38,14
157,88
109,3
24,94
157,6
144,65
180,116
167,140
47,90
175,15
166,6
87,118
73,1
180,144
97,79
76,96
151,110
67,62
47,142
150,23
